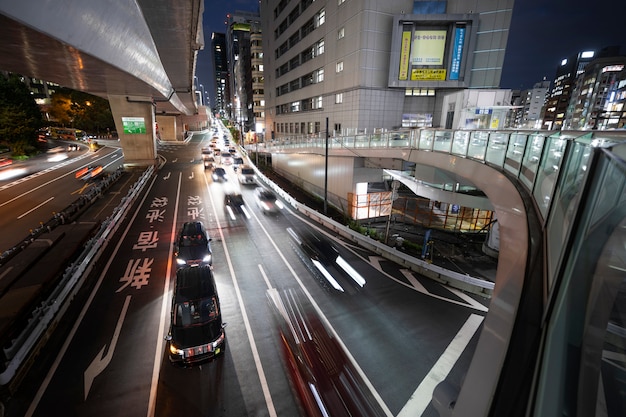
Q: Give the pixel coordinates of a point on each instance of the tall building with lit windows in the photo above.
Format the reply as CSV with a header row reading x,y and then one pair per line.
x,y
564,82
245,63
222,84
372,66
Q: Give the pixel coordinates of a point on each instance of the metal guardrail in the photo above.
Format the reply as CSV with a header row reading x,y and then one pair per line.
x,y
46,316
454,279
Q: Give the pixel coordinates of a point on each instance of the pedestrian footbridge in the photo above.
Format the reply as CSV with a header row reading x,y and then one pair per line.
x,y
554,337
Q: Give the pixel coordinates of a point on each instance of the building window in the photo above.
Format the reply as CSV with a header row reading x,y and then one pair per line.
x,y
319,75
341,33
320,47
295,106
319,103
339,66
320,18
338,98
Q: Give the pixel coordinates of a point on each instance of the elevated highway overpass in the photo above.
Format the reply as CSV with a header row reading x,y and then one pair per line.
x,y
140,55
556,313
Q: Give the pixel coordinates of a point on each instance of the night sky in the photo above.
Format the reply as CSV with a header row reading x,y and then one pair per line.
x,y
542,33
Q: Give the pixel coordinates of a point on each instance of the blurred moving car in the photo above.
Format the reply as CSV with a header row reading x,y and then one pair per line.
x,y
246,175
219,174
267,201
235,206
89,172
326,259
227,158
193,245
206,152
196,331
324,379
5,162
209,162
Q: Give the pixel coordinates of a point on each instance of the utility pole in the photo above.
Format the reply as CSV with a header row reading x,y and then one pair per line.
x,y
326,172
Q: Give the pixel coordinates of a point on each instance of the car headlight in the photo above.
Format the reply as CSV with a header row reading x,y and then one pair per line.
x,y
218,341
207,258
174,350
180,261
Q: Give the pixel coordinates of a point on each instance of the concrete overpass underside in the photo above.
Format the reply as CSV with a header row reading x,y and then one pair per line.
x,y
140,55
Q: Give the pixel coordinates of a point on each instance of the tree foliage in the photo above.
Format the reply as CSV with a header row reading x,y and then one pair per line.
x,y
71,108
20,116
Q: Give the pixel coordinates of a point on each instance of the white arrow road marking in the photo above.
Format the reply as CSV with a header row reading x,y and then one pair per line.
x,y
191,176
168,176
414,282
416,285
100,362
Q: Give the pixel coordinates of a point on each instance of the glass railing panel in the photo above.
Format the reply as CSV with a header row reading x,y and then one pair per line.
x,y
460,141
565,204
399,140
515,152
426,140
363,141
478,144
496,149
548,171
530,163
582,363
443,141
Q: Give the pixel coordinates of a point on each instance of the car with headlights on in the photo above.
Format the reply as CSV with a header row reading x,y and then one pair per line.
x,y
234,206
193,246
219,174
196,332
246,175
267,201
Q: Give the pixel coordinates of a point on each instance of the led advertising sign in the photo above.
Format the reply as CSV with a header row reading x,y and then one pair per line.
x,y
428,47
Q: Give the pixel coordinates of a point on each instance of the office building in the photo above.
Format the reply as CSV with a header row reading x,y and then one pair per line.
x,y
245,63
222,84
598,96
378,66
565,78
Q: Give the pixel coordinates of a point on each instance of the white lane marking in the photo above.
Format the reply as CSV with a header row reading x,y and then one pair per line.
x,y
34,208
414,281
255,352
166,299
414,284
469,300
320,313
81,316
424,393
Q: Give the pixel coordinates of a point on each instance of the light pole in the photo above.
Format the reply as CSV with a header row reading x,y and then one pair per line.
x,y
202,96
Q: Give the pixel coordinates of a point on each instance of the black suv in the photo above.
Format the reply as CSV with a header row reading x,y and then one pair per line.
x,y
193,245
196,330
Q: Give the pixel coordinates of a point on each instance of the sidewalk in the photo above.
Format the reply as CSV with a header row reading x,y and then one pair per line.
x,y
458,252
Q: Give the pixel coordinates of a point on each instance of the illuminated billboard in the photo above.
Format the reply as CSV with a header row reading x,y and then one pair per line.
x,y
428,47
431,50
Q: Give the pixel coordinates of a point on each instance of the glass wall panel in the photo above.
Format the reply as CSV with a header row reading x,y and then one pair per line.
x,y
565,203
460,142
548,173
530,163
478,145
515,153
496,149
443,141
